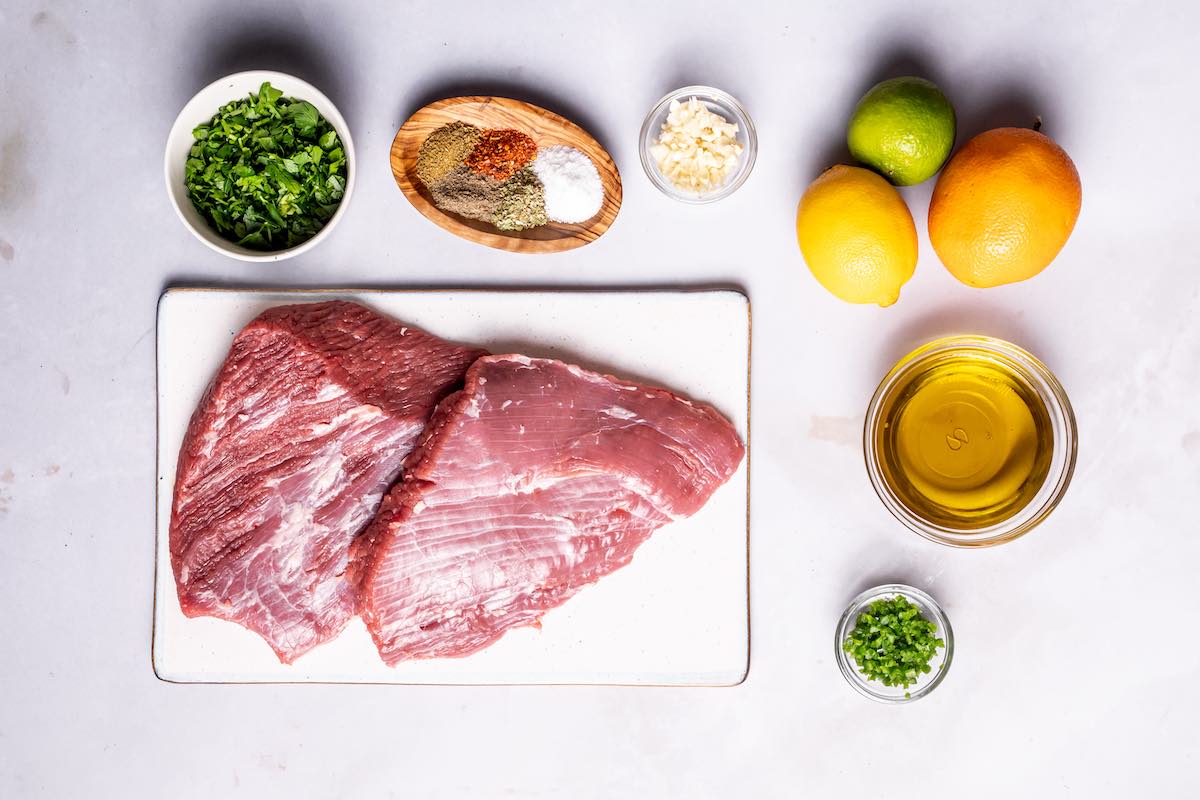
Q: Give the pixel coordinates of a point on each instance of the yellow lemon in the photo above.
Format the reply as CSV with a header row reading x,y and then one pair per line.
x,y
857,235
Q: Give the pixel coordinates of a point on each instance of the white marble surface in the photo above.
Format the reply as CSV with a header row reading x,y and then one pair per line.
x,y
1076,667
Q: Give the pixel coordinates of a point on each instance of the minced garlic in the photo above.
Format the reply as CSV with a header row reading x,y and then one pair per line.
x,y
697,148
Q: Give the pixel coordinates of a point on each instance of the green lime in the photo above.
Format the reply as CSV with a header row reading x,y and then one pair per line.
x,y
904,129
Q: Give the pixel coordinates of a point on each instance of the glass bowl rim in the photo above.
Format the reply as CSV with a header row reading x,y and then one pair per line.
x,y
849,617
1058,406
746,127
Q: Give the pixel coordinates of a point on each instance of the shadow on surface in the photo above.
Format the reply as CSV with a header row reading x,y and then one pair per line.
x,y
974,319
252,40
689,63
1009,105
884,577
897,60
425,92
896,566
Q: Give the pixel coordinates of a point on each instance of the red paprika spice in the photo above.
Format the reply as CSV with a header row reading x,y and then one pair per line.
x,y
500,153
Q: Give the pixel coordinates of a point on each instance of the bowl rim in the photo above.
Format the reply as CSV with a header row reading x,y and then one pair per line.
x,y
1049,495
746,126
849,617
297,87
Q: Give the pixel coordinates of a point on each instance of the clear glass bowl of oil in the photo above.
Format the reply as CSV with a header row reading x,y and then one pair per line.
x,y
970,441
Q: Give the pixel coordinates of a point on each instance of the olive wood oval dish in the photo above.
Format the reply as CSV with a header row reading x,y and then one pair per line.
x,y
545,128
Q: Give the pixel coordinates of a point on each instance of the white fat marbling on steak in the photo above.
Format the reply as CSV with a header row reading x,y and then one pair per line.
x,y
535,480
287,458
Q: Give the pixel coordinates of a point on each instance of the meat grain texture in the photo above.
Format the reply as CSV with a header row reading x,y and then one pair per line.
x,y
535,480
287,458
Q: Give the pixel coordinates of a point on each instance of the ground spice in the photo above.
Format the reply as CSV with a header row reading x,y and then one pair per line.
x,y
522,203
444,150
500,153
468,194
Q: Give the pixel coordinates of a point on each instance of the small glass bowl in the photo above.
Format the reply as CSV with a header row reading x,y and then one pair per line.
x,y
1062,422
927,682
719,103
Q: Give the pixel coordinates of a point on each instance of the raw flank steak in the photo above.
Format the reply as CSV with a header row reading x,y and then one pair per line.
x,y
535,480
287,457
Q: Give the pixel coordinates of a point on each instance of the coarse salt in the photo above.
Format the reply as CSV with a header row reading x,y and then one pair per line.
x,y
574,192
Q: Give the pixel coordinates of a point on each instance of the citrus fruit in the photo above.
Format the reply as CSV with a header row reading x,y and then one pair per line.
x,y
902,128
1004,207
857,235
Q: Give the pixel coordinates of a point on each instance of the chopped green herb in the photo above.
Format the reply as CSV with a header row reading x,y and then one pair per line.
x,y
893,643
267,172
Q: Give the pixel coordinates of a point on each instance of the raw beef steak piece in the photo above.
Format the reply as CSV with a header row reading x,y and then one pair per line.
x,y
287,457
535,480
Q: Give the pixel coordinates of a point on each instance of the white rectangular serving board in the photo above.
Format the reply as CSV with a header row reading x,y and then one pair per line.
x,y
676,615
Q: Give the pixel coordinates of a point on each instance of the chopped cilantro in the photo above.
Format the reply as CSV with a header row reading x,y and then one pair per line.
x,y
267,172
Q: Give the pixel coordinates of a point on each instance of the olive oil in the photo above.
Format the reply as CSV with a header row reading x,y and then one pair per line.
x,y
964,440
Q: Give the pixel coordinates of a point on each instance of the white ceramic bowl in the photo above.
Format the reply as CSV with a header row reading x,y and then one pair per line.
x,y
201,108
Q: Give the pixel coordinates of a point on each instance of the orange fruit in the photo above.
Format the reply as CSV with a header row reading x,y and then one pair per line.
x,y
1004,207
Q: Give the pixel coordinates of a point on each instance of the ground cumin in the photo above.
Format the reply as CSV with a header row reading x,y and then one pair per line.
x,y
444,150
